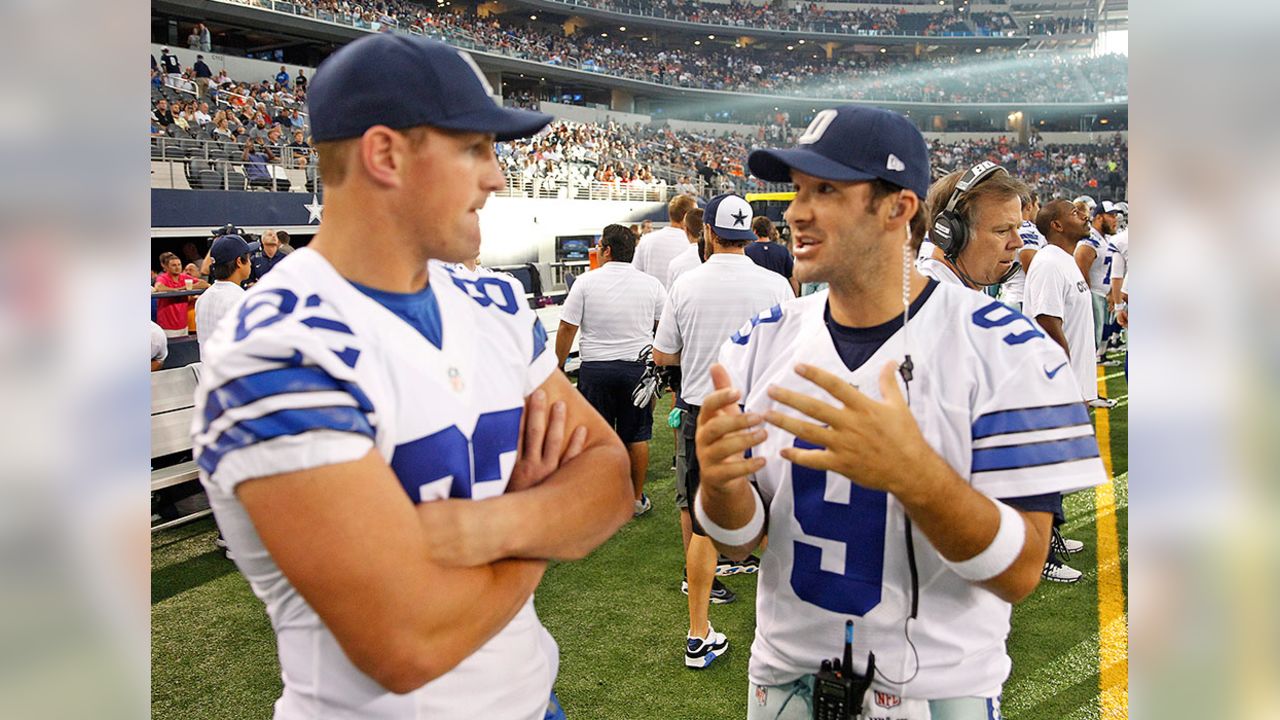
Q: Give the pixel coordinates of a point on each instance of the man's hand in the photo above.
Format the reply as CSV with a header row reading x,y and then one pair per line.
x,y
540,450
876,444
724,434
1122,317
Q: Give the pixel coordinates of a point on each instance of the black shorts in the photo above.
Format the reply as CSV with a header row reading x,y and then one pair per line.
x,y
691,475
607,385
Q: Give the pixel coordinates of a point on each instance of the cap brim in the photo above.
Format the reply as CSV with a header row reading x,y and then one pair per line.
x,y
733,234
776,166
504,123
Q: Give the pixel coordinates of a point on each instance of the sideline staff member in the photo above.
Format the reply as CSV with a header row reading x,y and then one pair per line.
x,y
706,305
617,307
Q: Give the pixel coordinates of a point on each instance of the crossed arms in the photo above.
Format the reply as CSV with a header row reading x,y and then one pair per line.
x,y
408,590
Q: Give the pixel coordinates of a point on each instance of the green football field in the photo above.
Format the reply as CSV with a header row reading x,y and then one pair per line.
x,y
620,618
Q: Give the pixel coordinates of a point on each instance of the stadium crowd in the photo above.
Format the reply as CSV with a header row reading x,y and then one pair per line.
x,y
1044,78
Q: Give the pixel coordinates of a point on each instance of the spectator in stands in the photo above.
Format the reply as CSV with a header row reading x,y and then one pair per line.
x,y
171,313
159,347
206,38
202,116
193,39
231,265
260,128
221,128
256,157
301,82
616,307
203,76
286,248
268,258
769,254
275,139
300,149
162,116
170,62
282,77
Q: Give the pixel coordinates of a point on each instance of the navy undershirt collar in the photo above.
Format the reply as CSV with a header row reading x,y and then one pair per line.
x,y
856,345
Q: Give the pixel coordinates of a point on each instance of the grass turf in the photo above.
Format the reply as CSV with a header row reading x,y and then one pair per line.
x,y
620,620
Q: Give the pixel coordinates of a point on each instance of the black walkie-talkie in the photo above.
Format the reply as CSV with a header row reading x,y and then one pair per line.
x,y
837,689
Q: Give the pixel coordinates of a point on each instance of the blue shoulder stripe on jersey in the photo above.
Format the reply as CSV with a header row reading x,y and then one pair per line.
x,y
539,339
280,424
1012,457
280,381
772,315
1029,419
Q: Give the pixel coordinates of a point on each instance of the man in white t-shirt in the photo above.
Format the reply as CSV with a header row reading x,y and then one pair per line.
x,y
159,347
656,249
705,306
230,265
1058,298
690,257
616,307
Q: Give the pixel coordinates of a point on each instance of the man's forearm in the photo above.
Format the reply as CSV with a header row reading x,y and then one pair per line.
x,y
564,341
1053,326
961,523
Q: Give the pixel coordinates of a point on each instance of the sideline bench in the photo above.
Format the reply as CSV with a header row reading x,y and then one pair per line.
x,y
172,408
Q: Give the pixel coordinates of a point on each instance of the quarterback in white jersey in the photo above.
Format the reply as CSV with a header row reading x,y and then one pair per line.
x,y
384,438
985,401
918,513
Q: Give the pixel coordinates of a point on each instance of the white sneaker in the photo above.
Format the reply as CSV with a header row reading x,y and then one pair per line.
x,y
1111,362
1101,402
701,652
1066,546
642,506
1057,572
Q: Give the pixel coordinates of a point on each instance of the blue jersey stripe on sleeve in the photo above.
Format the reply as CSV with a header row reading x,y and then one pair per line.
x,y
280,381
1012,457
281,424
1029,419
539,339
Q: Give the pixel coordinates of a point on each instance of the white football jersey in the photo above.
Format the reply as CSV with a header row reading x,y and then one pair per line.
x,y
1015,287
313,372
1119,245
988,397
1100,270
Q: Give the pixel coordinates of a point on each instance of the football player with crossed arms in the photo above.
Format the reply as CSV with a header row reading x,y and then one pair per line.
x,y
383,435
912,461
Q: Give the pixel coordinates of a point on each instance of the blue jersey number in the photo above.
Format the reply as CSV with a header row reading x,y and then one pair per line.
x,y
859,526
998,314
1106,279
449,453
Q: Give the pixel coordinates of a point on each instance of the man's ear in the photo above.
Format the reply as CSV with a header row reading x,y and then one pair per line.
x,y
382,154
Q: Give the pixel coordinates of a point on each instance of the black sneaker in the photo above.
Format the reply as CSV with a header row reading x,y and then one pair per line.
x,y
726,567
720,595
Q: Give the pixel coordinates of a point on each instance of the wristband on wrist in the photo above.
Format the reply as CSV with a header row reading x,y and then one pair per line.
x,y
1000,554
733,538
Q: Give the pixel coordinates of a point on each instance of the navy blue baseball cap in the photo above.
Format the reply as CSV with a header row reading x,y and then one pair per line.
x,y
402,82
852,143
729,216
229,247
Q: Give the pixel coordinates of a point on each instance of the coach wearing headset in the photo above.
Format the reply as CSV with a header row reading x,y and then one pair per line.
x,y
974,216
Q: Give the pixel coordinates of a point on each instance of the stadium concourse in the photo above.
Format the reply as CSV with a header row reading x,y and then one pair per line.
x,y
651,113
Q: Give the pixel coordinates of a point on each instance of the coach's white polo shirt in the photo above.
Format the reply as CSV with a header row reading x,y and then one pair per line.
x,y
1056,288
615,307
683,263
706,306
656,250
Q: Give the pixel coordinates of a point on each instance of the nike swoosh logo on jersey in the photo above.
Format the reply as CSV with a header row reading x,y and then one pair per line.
x,y
1050,373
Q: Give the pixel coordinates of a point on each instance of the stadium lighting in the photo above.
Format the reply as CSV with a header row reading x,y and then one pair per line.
x,y
711,37
884,50
697,42
802,42
623,28
1103,121
977,50
604,34
533,17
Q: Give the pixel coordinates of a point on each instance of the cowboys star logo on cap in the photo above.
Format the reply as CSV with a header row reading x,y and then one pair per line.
x,y
729,216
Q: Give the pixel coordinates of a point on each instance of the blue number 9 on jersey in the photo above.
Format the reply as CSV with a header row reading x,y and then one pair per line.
x,y
858,525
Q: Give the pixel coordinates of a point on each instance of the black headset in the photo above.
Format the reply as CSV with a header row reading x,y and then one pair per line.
x,y
950,232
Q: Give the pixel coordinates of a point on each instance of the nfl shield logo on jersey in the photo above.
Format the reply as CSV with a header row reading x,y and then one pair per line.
x,y
885,700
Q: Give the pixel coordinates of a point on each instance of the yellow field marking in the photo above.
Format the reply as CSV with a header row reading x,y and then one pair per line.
x,y
1113,626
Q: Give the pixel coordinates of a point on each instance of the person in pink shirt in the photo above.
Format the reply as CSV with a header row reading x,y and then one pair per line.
x,y
171,313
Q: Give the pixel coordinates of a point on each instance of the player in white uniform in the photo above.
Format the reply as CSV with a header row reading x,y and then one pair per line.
x,y
919,515
1014,289
384,438
1093,257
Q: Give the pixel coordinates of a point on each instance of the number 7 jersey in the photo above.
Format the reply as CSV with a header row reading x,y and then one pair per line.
x,y
989,396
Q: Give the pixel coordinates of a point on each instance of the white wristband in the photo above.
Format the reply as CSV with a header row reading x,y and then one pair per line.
x,y
1001,553
731,538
